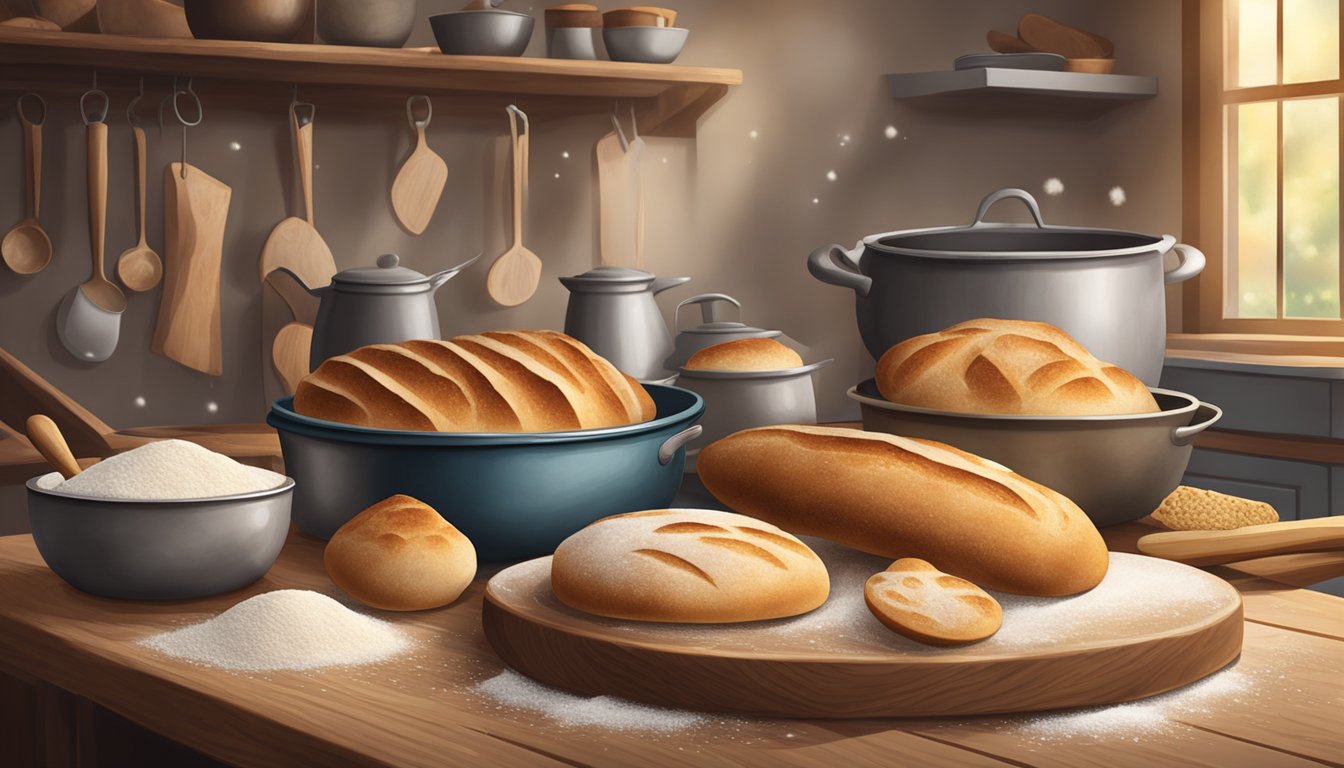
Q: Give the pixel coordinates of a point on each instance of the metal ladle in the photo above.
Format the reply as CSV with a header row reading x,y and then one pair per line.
x,y
139,267
26,248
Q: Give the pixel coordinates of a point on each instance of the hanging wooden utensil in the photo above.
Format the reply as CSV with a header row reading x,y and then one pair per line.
x,y
26,248
621,197
419,183
295,242
515,275
195,210
289,354
1002,42
139,267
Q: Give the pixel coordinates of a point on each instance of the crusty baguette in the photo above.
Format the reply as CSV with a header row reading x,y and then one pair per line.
x,y
745,355
516,381
400,555
1007,367
687,565
926,605
902,497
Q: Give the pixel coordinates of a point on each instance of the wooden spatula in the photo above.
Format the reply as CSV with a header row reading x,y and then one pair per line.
x,y
289,354
1045,34
195,208
621,209
1002,42
419,183
514,276
295,242
1320,534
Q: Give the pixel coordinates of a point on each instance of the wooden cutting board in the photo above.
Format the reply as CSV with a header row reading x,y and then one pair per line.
x,y
1151,626
195,209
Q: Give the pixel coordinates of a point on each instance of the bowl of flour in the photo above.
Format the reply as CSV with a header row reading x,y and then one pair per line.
x,y
169,520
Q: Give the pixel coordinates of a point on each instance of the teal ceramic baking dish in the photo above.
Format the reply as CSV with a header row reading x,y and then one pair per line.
x,y
515,496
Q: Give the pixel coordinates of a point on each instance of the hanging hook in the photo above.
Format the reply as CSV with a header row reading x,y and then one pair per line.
x,y
634,124
95,116
620,132
43,104
131,117
410,112
521,115
177,110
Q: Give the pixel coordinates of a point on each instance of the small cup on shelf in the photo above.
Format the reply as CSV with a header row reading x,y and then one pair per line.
x,y
570,30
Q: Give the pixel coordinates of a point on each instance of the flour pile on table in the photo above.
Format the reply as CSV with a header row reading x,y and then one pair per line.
x,y
166,469
516,690
285,629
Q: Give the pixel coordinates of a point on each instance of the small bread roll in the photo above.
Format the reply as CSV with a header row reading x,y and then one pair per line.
x,y
745,355
688,565
400,555
1197,509
931,607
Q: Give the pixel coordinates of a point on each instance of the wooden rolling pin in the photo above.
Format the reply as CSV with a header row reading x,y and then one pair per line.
x,y
1322,534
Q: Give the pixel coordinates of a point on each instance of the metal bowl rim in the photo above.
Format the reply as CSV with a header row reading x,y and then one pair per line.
x,y
773,373
485,11
1192,405
279,490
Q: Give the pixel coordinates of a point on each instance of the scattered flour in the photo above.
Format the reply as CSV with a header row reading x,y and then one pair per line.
x,y
514,689
284,629
166,469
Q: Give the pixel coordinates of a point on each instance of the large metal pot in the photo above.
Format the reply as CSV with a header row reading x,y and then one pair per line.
x,y
513,495
1103,287
1115,468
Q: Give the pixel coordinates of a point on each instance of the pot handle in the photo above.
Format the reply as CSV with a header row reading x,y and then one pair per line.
x,y
707,312
825,265
1205,416
676,442
1191,264
1004,194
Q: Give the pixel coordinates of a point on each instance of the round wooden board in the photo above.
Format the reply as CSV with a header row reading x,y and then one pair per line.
x,y
1149,627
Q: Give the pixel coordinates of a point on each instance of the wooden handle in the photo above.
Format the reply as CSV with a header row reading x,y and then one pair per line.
x,y
46,437
303,144
1254,541
519,146
32,134
139,134
97,192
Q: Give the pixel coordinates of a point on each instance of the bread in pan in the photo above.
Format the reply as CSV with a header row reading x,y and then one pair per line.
x,y
687,565
514,381
1007,367
745,355
903,497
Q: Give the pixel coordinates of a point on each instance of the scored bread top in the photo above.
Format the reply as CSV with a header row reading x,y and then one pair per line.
x,y
688,565
1007,367
515,381
921,602
745,355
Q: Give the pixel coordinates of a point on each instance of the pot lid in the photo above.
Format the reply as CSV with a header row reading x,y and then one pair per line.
x,y
388,271
715,328
983,240
611,276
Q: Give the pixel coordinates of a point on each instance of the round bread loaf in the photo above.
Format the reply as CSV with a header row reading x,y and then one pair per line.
x,y
400,555
928,606
1007,367
687,565
745,355
904,497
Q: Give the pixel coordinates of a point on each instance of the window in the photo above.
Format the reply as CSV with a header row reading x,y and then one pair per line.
x,y
1263,107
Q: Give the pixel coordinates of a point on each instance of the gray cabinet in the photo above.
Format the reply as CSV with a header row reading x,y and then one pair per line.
x,y
1252,402
1296,489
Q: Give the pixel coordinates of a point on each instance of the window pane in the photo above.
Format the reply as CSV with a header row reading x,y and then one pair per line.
x,y
1310,40
1257,42
1311,208
1252,277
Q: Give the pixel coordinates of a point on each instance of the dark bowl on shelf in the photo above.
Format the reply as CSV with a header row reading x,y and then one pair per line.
x,y
265,21
482,33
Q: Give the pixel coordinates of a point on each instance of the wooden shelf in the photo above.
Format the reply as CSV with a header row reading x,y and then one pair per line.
x,y
1021,81
670,99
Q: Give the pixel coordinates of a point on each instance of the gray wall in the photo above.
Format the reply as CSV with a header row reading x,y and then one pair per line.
x,y
734,212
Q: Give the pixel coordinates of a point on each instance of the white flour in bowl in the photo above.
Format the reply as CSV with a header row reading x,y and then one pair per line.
x,y
166,469
284,629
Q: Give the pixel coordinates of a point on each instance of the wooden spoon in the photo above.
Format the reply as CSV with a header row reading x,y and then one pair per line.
x,y
419,183
98,288
1002,42
1046,34
26,248
1320,534
139,267
515,275
46,437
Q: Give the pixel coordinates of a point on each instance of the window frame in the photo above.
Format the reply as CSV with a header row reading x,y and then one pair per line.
x,y
1206,94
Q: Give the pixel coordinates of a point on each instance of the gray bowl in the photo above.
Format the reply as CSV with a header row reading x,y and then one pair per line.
x,y
482,33
373,23
649,45
1115,468
159,549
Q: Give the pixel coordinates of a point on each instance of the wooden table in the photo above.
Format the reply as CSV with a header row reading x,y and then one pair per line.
x,y
71,658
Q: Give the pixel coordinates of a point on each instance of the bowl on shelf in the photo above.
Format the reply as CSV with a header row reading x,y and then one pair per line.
x,y
1090,66
372,23
263,21
1115,468
514,495
490,32
649,45
159,549
639,16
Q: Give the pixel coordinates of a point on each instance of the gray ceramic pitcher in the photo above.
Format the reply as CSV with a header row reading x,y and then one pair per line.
x,y
612,310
